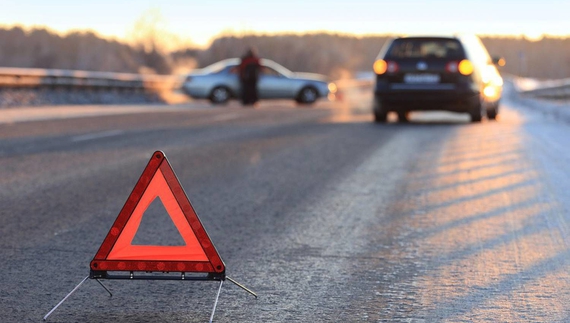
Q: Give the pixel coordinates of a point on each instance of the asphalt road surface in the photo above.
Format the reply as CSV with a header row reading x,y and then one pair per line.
x,y
327,216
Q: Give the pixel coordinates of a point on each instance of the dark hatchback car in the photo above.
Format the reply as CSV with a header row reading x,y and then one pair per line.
x,y
436,73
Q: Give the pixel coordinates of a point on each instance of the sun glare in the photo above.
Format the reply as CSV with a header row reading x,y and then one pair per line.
x,y
534,36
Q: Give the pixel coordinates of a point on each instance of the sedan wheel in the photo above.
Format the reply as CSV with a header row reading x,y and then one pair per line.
x,y
476,112
379,110
307,95
220,95
492,112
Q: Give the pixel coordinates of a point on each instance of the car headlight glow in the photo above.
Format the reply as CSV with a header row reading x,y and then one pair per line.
x,y
332,88
491,92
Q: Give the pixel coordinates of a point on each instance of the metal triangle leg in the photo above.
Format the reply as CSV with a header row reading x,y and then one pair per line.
x,y
242,286
108,291
216,302
63,300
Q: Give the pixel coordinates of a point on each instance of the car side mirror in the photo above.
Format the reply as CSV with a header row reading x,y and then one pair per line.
x,y
498,60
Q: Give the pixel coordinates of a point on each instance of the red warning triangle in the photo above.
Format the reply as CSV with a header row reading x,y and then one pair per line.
x,y
117,253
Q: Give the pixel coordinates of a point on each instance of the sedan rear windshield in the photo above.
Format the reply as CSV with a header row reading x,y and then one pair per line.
x,y
426,48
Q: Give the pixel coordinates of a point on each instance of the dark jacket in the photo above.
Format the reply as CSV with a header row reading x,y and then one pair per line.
x,y
249,69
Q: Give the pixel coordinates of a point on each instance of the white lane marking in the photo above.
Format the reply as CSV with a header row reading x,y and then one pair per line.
x,y
225,117
97,135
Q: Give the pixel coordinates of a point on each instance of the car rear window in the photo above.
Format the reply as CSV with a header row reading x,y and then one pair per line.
x,y
426,48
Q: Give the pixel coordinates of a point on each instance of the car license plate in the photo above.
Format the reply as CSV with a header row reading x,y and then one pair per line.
x,y
421,78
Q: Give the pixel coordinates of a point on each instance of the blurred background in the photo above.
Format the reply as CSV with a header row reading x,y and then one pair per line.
x,y
335,38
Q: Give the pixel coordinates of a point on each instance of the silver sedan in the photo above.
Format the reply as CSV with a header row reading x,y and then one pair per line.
x,y
219,83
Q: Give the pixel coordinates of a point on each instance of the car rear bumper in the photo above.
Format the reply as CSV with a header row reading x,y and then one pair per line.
x,y
425,97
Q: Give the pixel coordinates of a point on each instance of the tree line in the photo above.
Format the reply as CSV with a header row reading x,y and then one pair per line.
x,y
336,55
40,48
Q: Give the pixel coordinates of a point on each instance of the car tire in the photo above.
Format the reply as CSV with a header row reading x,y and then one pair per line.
x,y
403,116
492,112
307,95
220,95
379,111
476,112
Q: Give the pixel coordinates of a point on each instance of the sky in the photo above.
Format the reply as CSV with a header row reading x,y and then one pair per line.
x,y
200,21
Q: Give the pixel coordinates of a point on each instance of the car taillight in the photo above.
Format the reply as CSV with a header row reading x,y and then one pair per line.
x,y
392,67
452,67
465,67
380,67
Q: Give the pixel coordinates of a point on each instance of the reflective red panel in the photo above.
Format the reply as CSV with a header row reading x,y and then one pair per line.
x,y
117,253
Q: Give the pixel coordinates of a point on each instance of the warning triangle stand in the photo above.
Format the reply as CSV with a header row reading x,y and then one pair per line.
x,y
119,258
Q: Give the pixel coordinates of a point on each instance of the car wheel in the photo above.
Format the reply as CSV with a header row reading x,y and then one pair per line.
x,y
403,116
308,95
492,112
220,95
380,112
476,113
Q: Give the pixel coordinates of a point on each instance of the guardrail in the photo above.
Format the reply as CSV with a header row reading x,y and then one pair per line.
x,y
33,77
548,89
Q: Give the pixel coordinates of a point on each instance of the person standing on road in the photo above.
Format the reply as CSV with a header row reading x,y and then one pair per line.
x,y
249,69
